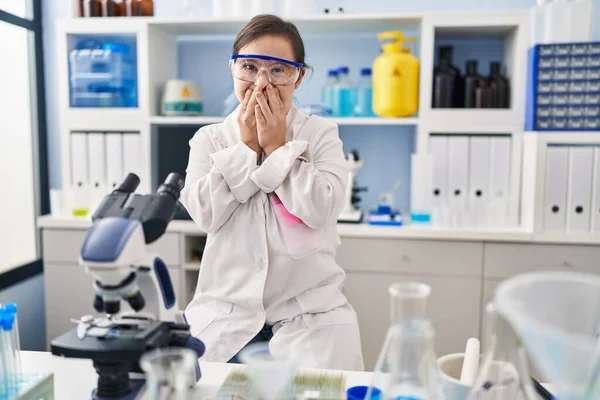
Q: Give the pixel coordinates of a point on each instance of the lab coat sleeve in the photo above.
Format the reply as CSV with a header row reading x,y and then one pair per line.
x,y
217,182
312,191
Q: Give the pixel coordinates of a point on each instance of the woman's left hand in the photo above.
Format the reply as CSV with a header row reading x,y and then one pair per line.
x,y
270,120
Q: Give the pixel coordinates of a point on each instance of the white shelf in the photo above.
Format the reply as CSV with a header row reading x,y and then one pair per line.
x,y
165,121
434,233
318,23
197,121
487,121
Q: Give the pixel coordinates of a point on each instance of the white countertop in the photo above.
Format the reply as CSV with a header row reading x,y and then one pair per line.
x,y
75,378
423,232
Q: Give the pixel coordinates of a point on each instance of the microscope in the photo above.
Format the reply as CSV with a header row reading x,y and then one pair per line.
x,y
114,254
351,212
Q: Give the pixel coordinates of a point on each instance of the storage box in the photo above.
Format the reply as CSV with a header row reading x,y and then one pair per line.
x,y
564,87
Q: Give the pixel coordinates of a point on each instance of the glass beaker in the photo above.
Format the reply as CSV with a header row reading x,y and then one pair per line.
x,y
271,377
170,373
407,367
503,373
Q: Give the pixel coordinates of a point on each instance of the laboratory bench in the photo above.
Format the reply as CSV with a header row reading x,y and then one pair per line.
x,y
462,266
75,378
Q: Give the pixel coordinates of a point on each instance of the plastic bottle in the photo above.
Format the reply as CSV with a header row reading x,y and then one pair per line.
x,y
407,368
364,94
395,78
343,104
472,81
444,85
499,87
328,90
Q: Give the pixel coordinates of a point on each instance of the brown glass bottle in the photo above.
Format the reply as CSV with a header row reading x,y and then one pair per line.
x,y
121,8
78,8
472,81
92,8
140,8
444,84
499,86
109,8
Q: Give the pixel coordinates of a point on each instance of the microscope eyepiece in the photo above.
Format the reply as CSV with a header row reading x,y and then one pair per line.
x,y
129,184
172,185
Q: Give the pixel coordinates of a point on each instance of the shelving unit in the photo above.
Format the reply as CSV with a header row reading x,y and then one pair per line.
x,y
202,120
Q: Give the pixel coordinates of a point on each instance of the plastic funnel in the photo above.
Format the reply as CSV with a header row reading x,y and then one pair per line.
x,y
557,315
271,377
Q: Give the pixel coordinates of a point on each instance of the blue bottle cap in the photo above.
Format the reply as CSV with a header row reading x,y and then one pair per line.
x,y
365,72
116,47
343,70
360,393
11,308
332,73
8,320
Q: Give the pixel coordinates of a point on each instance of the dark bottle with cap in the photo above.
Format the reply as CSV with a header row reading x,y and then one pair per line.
x,y
92,8
445,53
444,84
472,81
499,87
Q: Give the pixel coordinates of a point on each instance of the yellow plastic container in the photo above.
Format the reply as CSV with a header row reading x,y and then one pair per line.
x,y
395,78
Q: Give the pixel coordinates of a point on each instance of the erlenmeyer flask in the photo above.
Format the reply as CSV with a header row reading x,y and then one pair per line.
x,y
407,367
503,373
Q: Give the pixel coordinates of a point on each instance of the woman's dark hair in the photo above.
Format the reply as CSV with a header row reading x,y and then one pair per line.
x,y
264,25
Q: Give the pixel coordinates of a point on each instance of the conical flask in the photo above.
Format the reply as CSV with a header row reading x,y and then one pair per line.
x,y
503,373
406,368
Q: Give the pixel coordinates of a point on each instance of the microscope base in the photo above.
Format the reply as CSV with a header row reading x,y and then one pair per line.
x,y
351,217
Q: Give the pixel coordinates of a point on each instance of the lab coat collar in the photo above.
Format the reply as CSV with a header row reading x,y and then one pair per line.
x,y
231,134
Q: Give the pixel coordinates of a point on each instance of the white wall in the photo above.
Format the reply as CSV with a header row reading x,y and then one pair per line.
x,y
17,210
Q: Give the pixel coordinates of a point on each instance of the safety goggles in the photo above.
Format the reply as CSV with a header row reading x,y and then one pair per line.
x,y
280,72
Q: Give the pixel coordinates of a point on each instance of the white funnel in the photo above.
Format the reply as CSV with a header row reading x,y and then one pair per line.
x,y
557,315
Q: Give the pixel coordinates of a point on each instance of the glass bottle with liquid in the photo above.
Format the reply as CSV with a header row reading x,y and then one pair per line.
x,y
407,365
503,373
364,94
343,99
444,85
328,88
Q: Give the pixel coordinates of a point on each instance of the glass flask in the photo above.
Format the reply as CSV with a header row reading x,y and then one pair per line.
x,y
407,368
503,373
170,373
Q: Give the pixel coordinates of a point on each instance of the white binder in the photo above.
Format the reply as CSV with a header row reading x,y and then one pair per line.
x,y
132,154
97,159
579,197
499,180
79,159
439,179
458,178
479,171
595,207
114,159
557,171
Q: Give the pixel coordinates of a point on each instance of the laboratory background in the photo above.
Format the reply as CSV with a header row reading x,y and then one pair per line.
x,y
471,131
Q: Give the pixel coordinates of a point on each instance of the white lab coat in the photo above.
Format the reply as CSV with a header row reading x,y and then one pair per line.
x,y
248,276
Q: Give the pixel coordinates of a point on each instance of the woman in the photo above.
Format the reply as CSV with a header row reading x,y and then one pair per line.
x,y
267,185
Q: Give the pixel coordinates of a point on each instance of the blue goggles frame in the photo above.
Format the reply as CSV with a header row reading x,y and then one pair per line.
x,y
267,58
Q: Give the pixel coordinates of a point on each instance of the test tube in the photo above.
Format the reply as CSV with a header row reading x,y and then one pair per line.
x,y
11,308
6,356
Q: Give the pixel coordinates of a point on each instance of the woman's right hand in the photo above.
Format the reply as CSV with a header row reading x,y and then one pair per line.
x,y
247,122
